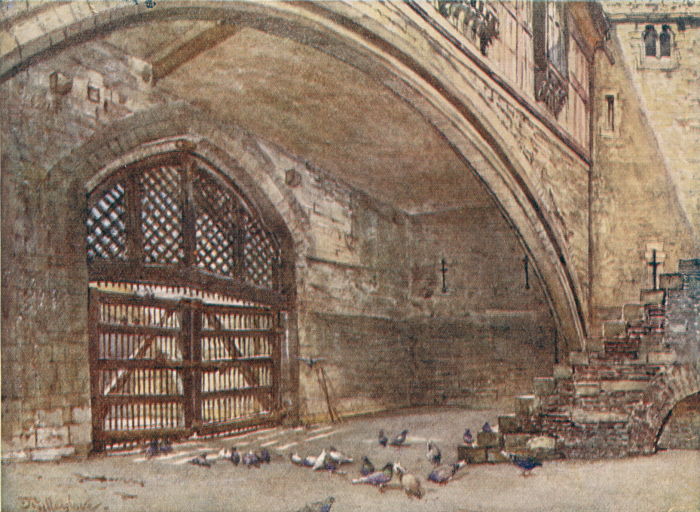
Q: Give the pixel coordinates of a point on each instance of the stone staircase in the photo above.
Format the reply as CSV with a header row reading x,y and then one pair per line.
x,y
586,408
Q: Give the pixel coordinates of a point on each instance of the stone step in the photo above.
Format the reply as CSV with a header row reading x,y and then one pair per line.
x,y
612,328
543,386
651,297
632,312
526,405
671,281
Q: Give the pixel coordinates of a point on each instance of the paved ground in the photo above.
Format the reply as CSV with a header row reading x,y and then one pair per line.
x,y
668,481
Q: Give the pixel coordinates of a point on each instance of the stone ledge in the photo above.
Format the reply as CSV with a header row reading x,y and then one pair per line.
x,y
624,385
598,417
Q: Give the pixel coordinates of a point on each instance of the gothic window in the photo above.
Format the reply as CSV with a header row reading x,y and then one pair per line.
x,y
649,36
174,219
550,35
665,41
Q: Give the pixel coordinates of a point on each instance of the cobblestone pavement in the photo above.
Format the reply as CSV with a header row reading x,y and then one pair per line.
x,y
668,481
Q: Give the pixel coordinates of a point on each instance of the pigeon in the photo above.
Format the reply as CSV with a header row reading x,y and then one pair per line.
x,y
225,454
468,439
250,459
308,461
320,461
486,427
367,466
319,506
524,462
338,457
235,456
378,478
166,446
264,456
433,454
201,460
410,483
400,439
153,449
382,438
443,474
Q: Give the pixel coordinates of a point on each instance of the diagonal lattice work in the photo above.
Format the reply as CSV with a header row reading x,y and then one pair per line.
x,y
174,216
161,215
106,225
217,232
260,254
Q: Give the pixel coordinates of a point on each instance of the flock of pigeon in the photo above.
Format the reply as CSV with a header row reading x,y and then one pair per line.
x,y
332,459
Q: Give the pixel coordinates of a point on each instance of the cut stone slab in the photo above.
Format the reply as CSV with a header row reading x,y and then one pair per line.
x,y
508,424
495,455
471,454
488,439
516,441
652,297
614,328
543,386
671,281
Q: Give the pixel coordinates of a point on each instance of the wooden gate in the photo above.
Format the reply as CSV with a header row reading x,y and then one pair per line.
x,y
164,368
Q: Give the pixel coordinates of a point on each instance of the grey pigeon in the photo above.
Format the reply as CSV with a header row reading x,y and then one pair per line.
x,y
153,449
338,456
264,456
235,456
433,454
378,478
308,461
400,439
468,439
486,427
367,466
382,438
410,483
250,460
201,460
443,474
319,506
166,446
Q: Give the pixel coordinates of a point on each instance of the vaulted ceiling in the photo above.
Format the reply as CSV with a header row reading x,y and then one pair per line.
x,y
311,104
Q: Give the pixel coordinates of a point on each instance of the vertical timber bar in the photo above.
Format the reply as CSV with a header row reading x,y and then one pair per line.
x,y
97,405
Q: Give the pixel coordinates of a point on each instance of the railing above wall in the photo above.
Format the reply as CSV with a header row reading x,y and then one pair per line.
x,y
475,19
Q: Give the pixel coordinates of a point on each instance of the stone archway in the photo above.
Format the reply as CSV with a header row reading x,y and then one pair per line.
x,y
664,392
471,125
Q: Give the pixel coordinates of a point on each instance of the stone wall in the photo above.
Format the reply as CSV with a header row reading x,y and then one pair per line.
x,y
481,339
351,261
634,199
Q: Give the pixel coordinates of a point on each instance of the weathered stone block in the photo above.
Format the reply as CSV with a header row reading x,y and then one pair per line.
x,y
495,455
80,434
508,423
488,439
651,297
543,386
671,281
515,441
542,443
614,328
52,437
662,357
562,372
471,454
624,385
580,416
81,415
578,358
526,405
50,418
587,388
632,312
49,454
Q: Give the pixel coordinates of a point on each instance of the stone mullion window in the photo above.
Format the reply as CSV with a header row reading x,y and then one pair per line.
x,y
551,39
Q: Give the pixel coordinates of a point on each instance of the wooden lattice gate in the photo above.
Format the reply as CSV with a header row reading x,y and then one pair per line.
x,y
166,368
185,305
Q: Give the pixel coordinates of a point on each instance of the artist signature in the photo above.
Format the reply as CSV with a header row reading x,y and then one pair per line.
x,y
148,3
48,505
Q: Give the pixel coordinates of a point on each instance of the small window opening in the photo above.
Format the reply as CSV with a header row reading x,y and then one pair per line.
x,y
610,118
665,41
649,35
